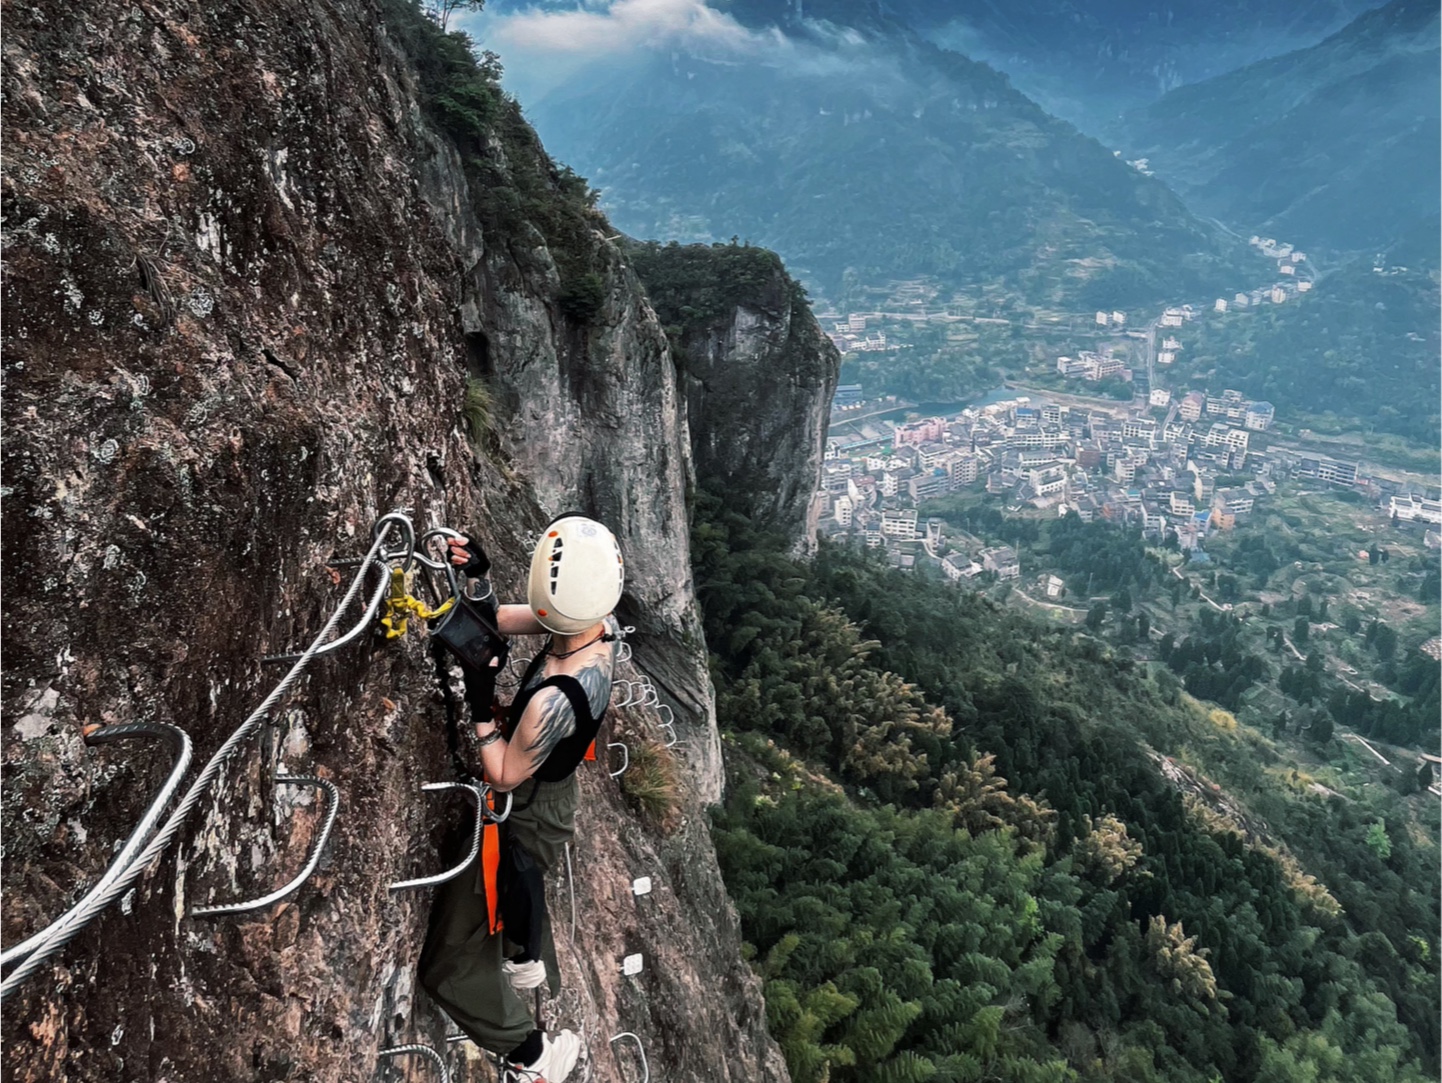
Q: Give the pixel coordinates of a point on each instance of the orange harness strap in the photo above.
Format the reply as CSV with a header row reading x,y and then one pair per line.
x,y
491,865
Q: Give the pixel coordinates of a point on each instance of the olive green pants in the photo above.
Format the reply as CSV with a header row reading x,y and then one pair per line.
x,y
461,962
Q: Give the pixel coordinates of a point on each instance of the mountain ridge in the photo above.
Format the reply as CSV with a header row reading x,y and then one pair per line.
x,y
1351,121
936,167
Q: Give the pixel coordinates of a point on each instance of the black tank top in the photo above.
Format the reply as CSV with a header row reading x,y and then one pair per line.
x,y
569,751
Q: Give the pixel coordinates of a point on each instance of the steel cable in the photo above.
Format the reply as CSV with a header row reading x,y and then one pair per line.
x,y
420,1050
67,928
180,740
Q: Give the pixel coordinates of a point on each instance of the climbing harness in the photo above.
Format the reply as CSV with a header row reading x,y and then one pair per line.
x,y
312,862
418,1050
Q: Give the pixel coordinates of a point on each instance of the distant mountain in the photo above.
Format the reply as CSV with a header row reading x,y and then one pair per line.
x,y
1334,145
862,153
1088,61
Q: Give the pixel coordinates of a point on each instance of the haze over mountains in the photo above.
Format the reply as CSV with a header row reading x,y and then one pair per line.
x,y
859,151
1337,143
1088,62
862,144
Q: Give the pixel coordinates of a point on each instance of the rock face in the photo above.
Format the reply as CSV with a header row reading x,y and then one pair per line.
x,y
248,283
759,375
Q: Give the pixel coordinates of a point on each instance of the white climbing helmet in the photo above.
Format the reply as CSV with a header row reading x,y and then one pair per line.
x,y
576,575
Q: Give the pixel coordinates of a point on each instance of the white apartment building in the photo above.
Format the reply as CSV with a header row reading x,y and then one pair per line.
x,y
1412,508
965,469
1143,428
900,523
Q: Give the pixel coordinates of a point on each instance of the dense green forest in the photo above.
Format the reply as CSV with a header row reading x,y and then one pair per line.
x,y
968,846
696,284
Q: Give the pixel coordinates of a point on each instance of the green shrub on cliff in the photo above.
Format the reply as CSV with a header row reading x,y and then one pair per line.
x,y
697,283
515,185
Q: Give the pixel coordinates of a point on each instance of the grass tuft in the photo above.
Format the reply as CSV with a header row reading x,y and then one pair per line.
x,y
651,784
477,411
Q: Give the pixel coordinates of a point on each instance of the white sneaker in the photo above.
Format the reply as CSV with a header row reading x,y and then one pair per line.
x,y
559,1054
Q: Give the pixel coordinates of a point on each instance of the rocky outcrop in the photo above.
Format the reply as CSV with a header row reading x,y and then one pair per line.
x,y
759,375
248,282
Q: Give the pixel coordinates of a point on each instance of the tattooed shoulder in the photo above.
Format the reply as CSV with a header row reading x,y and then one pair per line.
x,y
552,719
595,678
553,722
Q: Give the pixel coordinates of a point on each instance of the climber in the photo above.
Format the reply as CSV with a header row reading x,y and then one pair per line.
x,y
477,969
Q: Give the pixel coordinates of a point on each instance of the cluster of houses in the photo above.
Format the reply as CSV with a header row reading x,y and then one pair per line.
x,y
1289,262
850,336
1190,474
1159,474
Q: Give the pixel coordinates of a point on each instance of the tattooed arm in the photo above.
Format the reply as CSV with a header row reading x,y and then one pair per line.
x,y
548,720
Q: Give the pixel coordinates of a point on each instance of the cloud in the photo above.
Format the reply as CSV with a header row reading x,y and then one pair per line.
x,y
545,50
626,25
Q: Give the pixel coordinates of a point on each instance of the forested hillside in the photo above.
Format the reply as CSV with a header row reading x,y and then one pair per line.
x,y
968,846
860,152
1357,353
1146,603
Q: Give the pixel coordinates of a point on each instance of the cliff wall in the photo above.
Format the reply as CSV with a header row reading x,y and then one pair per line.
x,y
758,375
255,256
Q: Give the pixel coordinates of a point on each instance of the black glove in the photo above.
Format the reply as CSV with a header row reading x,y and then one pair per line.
x,y
479,566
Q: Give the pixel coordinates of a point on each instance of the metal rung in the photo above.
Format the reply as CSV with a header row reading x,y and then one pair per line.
x,y
180,746
332,808
419,1050
641,1049
629,693
626,752
477,793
